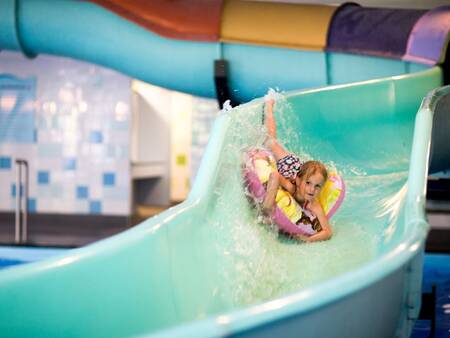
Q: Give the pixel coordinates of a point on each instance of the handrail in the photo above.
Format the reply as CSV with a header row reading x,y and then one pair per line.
x,y
21,213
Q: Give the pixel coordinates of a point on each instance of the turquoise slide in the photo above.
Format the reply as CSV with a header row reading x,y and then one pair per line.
x,y
207,267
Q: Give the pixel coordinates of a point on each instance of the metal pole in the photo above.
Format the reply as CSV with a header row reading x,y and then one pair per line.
x,y
21,222
18,213
24,234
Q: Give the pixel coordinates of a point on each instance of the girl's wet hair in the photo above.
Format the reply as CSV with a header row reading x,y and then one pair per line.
x,y
309,168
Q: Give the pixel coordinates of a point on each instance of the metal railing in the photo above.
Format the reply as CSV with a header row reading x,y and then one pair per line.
x,y
21,217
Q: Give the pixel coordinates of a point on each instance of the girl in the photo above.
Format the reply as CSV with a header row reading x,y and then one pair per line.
x,y
304,180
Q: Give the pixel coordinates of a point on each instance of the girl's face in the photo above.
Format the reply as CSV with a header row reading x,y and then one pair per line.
x,y
309,188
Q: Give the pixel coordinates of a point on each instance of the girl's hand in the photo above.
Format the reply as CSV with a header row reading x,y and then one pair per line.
x,y
302,238
270,120
269,107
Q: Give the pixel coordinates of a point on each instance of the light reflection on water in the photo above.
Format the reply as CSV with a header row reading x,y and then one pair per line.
x,y
258,264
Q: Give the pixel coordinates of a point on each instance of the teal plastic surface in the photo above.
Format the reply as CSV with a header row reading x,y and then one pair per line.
x,y
207,267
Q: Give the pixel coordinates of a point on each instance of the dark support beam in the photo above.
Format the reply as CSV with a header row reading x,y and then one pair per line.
x,y
223,92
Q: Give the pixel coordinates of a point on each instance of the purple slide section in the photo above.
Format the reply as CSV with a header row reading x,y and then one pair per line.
x,y
430,37
372,31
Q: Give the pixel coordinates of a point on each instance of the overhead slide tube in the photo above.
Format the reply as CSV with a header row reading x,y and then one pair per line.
x,y
9,37
86,31
89,32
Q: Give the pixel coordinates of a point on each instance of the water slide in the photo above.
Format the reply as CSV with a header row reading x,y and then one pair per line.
x,y
207,267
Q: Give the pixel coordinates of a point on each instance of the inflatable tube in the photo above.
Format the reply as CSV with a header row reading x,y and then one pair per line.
x,y
287,214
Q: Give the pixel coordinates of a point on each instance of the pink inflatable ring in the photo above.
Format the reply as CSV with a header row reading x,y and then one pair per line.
x,y
258,164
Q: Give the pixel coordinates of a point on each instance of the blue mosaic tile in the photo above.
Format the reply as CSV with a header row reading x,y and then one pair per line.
x,y
95,207
109,179
23,122
31,205
82,192
70,163
96,136
21,116
43,177
5,162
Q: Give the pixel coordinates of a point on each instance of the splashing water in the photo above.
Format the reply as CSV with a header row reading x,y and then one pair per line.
x,y
259,263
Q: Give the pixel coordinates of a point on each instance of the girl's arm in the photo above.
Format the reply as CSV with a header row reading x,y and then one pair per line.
x,y
272,188
287,185
326,231
270,119
271,125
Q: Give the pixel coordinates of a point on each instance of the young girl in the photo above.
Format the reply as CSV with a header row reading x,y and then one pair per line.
x,y
304,180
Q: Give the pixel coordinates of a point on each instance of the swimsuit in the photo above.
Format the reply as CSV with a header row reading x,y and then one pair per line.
x,y
298,214
289,166
309,219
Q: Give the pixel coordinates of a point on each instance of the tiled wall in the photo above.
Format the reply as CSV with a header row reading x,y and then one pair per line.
x,y
79,150
204,113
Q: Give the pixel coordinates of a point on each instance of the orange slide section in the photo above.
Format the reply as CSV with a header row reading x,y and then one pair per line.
x,y
179,19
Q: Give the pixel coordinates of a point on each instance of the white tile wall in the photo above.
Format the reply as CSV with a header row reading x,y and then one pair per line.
x,y
82,114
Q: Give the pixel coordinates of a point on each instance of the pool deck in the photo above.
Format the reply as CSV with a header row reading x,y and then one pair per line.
x,y
62,231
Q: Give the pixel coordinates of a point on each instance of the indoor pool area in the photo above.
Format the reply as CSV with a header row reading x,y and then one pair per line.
x,y
224,168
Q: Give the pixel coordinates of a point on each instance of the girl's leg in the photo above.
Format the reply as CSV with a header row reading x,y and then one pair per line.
x,y
271,193
278,151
